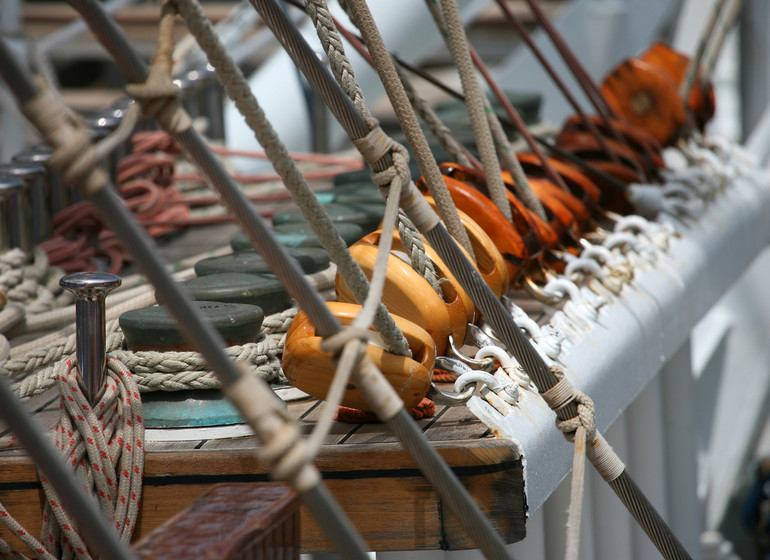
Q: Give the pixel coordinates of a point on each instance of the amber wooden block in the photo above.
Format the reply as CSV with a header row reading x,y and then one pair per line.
x,y
230,522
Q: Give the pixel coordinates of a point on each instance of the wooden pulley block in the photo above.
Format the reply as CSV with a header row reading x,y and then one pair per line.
x,y
586,146
536,234
638,140
557,203
458,302
581,187
406,294
646,98
311,370
483,211
701,100
489,261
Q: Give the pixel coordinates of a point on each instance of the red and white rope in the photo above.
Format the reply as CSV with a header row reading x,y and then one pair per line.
x,y
105,445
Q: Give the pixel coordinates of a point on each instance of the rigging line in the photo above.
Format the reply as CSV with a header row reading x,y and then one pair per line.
x,y
368,378
482,296
603,108
514,20
692,68
357,43
252,397
574,64
518,122
353,122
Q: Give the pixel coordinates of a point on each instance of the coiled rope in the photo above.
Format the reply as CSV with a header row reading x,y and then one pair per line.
x,y
104,444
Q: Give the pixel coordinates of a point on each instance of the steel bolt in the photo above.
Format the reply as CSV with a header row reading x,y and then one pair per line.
x,y
90,290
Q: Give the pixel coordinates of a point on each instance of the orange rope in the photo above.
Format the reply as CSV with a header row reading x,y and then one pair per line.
x,y
426,409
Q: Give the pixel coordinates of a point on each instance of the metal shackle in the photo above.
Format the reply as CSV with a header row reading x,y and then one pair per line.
x,y
90,290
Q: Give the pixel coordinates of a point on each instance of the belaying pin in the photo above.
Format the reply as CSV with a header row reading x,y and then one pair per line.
x,y
10,228
38,221
90,290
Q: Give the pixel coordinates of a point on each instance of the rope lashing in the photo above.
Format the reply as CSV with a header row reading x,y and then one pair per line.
x,y
159,95
385,67
105,445
580,430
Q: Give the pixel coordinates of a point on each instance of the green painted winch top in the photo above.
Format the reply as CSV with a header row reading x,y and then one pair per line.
x,y
311,260
154,328
262,290
300,234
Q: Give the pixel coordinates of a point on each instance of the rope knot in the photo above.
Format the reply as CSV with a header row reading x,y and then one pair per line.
x,y
159,95
563,394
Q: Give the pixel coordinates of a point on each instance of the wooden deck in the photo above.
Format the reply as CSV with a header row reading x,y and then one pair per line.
x,y
364,466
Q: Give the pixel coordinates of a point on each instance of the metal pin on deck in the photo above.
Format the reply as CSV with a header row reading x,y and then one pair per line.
x,y
90,290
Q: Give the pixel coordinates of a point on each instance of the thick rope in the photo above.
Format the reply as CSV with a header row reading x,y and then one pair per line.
x,y
239,91
343,73
415,249
338,61
158,371
28,279
105,446
434,123
512,164
383,62
448,20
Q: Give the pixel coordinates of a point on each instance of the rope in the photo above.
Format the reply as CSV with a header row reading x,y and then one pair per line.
x,y
343,73
383,63
239,91
338,61
106,448
29,280
442,133
580,430
447,17
158,371
415,249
